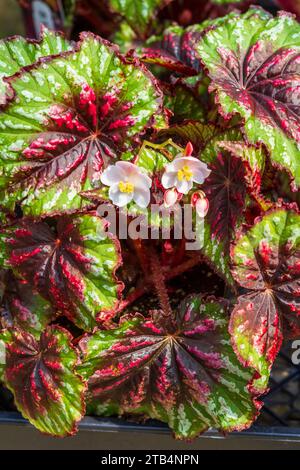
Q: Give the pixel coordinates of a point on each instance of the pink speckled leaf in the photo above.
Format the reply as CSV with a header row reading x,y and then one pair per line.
x,y
253,62
71,116
179,370
266,264
70,261
41,375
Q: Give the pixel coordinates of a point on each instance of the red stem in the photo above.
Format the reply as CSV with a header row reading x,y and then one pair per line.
x,y
168,275
158,279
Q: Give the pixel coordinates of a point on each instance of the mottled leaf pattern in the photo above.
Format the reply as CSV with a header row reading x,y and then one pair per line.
x,y
267,266
18,52
193,131
138,14
175,49
233,165
71,264
71,116
181,371
23,307
185,104
41,375
253,62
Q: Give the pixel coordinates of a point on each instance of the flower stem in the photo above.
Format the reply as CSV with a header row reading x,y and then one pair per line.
x,y
168,274
158,279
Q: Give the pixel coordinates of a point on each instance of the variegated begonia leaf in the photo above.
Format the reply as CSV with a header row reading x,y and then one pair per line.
x,y
194,131
71,116
23,307
175,49
234,167
41,374
253,63
124,37
181,370
17,52
70,261
266,264
185,104
138,14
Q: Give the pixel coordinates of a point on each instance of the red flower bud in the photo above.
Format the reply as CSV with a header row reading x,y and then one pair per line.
x,y
188,151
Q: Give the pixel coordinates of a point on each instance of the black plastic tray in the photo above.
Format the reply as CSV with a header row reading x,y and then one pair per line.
x,y
112,433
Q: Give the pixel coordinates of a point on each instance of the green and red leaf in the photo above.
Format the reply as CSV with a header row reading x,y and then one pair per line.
x,y
181,371
236,170
23,307
70,261
139,15
266,264
253,63
41,375
175,49
71,116
17,52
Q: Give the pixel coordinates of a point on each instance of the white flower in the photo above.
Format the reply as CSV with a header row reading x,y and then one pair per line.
x,y
127,183
182,172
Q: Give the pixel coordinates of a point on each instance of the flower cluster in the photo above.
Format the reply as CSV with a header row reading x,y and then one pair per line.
x,y
127,182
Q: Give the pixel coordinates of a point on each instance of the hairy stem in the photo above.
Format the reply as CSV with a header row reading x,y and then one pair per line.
x,y
168,274
158,279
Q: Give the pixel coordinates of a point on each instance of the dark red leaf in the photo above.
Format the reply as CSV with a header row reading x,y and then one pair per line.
x,y
23,307
41,374
71,262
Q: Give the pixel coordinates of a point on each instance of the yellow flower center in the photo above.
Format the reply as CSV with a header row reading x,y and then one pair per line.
x,y
185,173
126,187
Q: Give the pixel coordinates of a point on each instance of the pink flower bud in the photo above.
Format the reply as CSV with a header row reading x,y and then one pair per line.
x,y
188,149
196,196
202,206
170,197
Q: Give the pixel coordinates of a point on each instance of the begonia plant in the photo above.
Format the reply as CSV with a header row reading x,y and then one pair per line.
x,y
107,308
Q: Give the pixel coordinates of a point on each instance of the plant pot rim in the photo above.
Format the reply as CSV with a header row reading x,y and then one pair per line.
x,y
100,424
